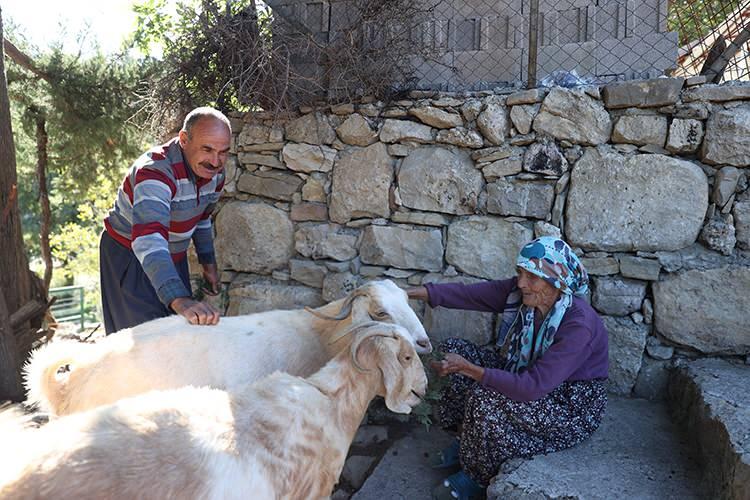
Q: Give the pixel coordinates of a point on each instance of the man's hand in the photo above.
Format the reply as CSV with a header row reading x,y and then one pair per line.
x,y
418,293
212,286
197,313
453,363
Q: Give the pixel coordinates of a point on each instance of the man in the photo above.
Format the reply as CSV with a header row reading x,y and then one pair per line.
x,y
166,198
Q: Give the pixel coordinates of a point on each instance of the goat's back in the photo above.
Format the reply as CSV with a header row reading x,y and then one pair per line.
x,y
169,353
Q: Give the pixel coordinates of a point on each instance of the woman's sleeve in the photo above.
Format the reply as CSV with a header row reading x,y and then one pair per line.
x,y
571,348
488,296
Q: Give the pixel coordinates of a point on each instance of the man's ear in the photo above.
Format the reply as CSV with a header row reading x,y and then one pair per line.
x,y
183,138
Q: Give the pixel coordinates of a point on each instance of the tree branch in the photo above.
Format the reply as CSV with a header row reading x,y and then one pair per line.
x,y
18,57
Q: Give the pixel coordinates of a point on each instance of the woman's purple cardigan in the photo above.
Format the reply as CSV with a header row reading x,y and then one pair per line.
x,y
579,351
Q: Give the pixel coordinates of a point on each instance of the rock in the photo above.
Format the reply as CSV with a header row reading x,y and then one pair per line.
x,y
524,199
461,137
601,266
492,122
725,182
258,134
356,131
259,159
522,140
471,109
271,184
711,400
526,97
308,158
648,311
402,130
639,268
439,180
636,451
361,183
652,380
657,350
626,344
324,241
545,158
523,117
643,93
688,311
741,213
252,294
502,168
641,130
253,237
496,153
420,218
641,202
338,285
719,234
443,323
342,109
685,136
570,114
486,246
399,149
616,296
309,212
546,229
402,247
436,117
314,188
718,93
306,272
312,128
727,139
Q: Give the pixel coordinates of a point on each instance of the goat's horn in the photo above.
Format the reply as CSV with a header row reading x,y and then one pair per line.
x,y
346,306
357,342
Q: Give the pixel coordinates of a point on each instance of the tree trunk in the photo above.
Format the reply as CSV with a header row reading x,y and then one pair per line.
x,y
41,173
15,280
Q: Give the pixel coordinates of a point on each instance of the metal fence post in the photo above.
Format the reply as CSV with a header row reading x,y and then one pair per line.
x,y
533,42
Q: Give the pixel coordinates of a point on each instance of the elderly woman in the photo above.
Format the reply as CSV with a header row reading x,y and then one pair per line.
x,y
541,388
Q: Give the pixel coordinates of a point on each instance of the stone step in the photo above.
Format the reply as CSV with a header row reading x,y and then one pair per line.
x,y
636,453
710,400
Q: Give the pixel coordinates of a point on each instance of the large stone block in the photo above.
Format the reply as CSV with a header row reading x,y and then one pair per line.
x,y
308,157
741,212
641,130
253,237
437,117
706,310
461,137
308,273
493,120
545,158
727,139
685,135
573,115
402,247
439,180
248,295
627,340
312,128
718,93
356,131
442,323
326,241
402,130
361,182
486,246
643,94
616,296
523,117
641,202
271,184
521,198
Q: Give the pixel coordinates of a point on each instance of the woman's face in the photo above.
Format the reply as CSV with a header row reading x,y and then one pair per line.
x,y
536,292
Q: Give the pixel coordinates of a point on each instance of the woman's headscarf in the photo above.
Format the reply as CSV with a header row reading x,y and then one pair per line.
x,y
554,261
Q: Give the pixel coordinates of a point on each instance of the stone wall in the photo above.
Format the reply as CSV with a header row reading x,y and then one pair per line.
x,y
646,180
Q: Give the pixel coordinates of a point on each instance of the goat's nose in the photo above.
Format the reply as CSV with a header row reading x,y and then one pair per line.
x,y
425,344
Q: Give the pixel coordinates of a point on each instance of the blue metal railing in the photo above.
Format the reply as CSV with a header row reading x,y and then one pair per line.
x,y
69,306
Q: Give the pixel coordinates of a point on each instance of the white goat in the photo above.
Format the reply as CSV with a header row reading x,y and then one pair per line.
x,y
280,437
167,353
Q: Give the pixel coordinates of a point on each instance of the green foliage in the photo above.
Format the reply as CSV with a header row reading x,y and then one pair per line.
x,y
425,410
694,19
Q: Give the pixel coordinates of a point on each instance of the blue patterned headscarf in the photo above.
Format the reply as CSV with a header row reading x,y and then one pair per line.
x,y
554,261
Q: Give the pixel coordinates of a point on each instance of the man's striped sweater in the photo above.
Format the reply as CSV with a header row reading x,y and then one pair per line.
x,y
160,205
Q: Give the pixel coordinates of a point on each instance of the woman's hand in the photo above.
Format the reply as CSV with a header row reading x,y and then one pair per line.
x,y
453,363
418,293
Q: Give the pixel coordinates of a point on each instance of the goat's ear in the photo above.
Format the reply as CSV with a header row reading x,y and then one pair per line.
x,y
396,393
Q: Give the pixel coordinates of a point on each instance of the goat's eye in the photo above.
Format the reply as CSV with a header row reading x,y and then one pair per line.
x,y
381,315
408,358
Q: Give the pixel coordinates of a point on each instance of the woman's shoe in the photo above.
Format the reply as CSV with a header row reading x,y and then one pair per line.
x,y
458,486
447,457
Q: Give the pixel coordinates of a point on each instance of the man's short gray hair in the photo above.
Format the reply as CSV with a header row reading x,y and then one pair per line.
x,y
204,112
